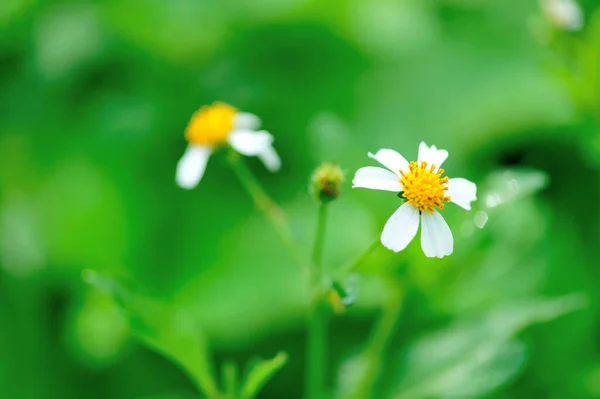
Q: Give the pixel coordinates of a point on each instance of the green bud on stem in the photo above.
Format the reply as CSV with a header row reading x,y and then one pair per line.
x,y
326,182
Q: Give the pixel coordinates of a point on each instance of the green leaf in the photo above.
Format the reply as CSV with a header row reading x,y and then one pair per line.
x,y
260,373
474,372
472,358
171,396
230,379
164,329
512,184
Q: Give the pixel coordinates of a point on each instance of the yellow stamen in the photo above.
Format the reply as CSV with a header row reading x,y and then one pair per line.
x,y
211,124
424,188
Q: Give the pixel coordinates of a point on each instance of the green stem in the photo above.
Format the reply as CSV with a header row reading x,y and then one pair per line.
x,y
268,207
352,266
320,240
378,344
317,326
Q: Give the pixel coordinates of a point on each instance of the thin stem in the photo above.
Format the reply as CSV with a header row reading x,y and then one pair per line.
x,y
352,266
320,239
317,326
268,207
378,344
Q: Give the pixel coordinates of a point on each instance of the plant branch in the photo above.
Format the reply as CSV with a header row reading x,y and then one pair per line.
x,y
268,207
317,326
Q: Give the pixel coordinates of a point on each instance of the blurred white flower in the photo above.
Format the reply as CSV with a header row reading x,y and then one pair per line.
x,y
564,14
217,125
422,185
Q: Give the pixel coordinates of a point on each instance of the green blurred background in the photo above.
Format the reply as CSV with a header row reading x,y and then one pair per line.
x,y
93,103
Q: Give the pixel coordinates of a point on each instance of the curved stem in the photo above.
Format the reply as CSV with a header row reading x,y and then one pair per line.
x,y
378,344
317,326
356,263
267,206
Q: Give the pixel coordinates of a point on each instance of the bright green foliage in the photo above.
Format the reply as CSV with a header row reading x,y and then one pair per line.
x,y
94,100
166,330
259,372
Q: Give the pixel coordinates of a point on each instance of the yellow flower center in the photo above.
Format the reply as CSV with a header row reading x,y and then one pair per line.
x,y
424,188
211,124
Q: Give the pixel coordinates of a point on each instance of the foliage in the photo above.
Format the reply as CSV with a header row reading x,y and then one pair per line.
x,y
95,97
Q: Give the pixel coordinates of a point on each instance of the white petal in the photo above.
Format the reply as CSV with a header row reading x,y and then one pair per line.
x,y
401,228
436,237
270,158
191,166
432,155
246,121
391,160
376,178
247,142
462,192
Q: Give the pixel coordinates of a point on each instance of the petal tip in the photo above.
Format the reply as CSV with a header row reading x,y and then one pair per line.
x,y
387,245
185,183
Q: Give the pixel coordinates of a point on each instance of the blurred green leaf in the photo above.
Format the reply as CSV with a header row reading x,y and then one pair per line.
x,y
171,396
474,357
509,185
260,373
476,372
99,331
230,379
162,328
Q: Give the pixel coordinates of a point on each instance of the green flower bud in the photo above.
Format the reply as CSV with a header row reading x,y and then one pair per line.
x,y
327,182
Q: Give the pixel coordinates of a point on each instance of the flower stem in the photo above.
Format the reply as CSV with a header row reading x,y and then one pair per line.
x,y
320,240
355,264
268,207
317,326
378,343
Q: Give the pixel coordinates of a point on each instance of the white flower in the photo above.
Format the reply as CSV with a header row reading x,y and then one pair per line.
x,y
565,14
217,125
422,185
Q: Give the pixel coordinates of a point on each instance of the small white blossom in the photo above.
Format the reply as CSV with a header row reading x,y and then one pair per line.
x,y
422,185
218,125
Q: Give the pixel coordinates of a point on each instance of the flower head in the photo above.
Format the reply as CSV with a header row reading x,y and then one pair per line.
x,y
425,190
218,125
327,182
564,14
211,125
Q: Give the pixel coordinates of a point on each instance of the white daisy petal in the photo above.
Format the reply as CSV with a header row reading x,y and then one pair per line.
x,y
270,158
391,160
250,143
432,155
462,192
191,166
436,237
401,228
246,121
376,178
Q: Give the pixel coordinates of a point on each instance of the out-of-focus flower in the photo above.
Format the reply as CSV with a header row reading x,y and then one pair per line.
x,y
564,14
327,182
422,185
215,126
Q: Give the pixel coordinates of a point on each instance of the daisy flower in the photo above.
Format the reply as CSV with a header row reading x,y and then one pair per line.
x,y
565,14
217,125
422,185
